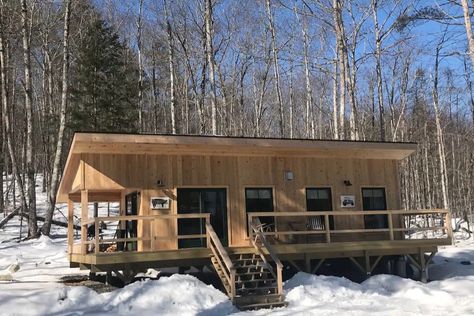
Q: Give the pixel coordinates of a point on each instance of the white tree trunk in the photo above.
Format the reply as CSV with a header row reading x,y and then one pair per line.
x,y
210,61
62,124
276,68
30,168
468,25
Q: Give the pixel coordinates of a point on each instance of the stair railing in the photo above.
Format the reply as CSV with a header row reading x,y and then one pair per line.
x,y
261,244
222,258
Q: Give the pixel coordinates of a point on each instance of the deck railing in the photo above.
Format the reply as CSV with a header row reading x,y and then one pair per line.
x,y
400,225
223,260
261,244
94,242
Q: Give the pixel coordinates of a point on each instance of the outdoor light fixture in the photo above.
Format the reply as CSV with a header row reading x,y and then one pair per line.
x,y
347,183
289,175
159,183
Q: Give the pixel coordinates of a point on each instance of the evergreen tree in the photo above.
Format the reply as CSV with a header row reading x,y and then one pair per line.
x,y
104,93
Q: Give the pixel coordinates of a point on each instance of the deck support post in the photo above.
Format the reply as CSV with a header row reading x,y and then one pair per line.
x,y
84,219
318,265
70,225
423,268
307,260
368,270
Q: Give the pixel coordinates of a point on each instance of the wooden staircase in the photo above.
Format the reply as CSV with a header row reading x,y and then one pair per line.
x,y
249,278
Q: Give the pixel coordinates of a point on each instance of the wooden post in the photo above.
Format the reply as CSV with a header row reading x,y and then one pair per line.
x,y
326,225
84,219
368,271
390,225
232,283
96,235
423,271
280,279
70,225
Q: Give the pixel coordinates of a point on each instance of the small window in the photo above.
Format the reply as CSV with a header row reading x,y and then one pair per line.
x,y
319,200
260,200
373,199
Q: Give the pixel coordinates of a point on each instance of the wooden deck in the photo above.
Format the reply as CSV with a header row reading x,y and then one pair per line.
x,y
361,243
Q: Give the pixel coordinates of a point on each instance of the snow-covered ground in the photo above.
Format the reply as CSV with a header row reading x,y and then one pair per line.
x,y
35,289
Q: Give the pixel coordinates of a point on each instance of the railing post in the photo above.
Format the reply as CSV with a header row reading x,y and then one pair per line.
x,y
279,279
96,234
390,225
326,226
208,236
70,225
84,219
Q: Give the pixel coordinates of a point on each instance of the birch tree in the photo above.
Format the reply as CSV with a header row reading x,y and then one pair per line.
x,y
276,67
62,124
210,61
28,89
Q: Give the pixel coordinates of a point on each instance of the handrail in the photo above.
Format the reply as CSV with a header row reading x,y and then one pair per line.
x,y
391,229
96,241
222,258
261,237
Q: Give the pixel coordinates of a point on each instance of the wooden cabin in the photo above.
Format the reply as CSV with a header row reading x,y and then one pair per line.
x,y
193,200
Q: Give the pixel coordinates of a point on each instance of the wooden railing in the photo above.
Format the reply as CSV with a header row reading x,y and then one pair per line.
x,y
401,224
261,244
97,240
222,258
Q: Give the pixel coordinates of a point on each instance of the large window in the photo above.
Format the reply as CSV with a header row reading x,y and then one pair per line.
x,y
260,200
319,200
373,199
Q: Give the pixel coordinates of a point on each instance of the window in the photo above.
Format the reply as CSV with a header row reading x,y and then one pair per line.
x,y
373,199
260,200
319,200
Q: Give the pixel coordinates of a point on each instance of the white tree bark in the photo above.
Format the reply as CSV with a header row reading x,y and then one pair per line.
x,y
378,68
28,88
276,68
210,61
439,134
468,25
62,124
309,93
342,52
171,69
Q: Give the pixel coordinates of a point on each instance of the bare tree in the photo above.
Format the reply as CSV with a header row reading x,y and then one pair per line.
x,y
467,24
276,67
140,65
210,61
62,124
28,88
171,69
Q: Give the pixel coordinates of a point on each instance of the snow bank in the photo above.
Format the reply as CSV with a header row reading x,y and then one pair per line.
x,y
175,295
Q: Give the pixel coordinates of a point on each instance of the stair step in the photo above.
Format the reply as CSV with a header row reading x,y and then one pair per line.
x,y
258,298
262,306
256,280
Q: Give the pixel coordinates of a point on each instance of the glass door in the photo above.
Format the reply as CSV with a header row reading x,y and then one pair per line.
x,y
196,200
373,199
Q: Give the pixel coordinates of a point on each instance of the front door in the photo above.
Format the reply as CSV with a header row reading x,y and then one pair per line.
x,y
212,201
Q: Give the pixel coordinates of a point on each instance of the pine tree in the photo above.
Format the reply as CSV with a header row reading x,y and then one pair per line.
x,y
104,94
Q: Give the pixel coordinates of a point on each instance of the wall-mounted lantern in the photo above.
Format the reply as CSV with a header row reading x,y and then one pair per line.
x,y
347,183
289,175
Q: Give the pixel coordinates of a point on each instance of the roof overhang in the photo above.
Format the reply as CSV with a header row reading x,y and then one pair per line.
x,y
139,144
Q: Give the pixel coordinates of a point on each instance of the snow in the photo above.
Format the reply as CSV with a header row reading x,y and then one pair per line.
x,y
36,290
